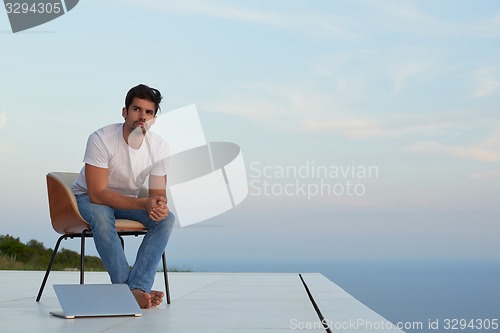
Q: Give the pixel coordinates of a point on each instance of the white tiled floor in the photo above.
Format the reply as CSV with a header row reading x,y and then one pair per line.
x,y
201,302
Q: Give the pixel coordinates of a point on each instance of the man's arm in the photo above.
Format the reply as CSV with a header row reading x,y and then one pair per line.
x,y
157,186
97,188
158,191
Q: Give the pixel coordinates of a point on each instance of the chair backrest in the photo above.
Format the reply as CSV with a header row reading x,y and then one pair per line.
x,y
63,207
62,203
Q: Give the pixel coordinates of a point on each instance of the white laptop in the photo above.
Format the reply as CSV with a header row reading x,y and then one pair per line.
x,y
95,300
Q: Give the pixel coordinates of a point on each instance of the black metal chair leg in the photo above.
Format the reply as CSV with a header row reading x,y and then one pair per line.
x,y
123,243
82,255
45,278
165,276
87,233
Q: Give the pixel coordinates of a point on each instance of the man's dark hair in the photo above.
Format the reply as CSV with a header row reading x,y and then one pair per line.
x,y
142,91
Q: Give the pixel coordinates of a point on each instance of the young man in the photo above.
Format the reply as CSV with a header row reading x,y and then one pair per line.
x,y
119,158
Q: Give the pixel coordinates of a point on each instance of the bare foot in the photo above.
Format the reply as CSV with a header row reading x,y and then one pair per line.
x,y
142,298
156,297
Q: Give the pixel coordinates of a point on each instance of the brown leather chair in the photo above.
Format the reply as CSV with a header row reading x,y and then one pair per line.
x,y
66,220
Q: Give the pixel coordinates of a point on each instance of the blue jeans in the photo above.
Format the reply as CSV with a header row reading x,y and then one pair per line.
x,y
102,221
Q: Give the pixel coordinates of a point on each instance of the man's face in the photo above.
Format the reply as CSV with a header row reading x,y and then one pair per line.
x,y
140,114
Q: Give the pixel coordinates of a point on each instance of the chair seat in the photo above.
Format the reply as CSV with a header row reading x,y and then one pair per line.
x,y
128,225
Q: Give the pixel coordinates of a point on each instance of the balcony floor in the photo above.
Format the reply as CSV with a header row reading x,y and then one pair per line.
x,y
201,302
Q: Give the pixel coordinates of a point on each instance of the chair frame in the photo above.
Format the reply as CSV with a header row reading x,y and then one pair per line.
x,y
71,226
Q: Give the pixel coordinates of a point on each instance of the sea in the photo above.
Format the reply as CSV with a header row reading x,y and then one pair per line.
x,y
451,294
444,296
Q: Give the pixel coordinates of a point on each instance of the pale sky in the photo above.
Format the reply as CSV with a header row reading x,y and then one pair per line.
x,y
411,88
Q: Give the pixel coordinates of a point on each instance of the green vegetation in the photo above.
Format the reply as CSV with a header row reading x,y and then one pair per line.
x,y
33,256
15,255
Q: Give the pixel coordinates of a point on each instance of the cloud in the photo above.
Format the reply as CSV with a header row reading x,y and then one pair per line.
x,y
218,9
3,119
487,28
401,73
408,17
381,88
487,150
294,108
353,128
486,175
411,17
372,17
485,81
317,23
291,108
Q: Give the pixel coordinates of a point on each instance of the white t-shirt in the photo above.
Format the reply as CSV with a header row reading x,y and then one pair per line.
x,y
128,168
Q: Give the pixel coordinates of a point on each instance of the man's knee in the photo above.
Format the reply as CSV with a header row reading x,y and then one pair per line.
x,y
100,217
168,222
